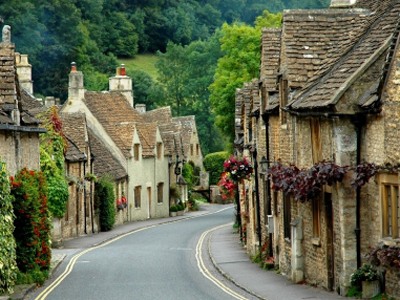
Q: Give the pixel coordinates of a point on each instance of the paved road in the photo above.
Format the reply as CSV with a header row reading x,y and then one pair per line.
x,y
155,263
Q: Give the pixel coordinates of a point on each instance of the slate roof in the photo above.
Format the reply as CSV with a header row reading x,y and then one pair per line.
x,y
187,125
323,51
160,115
104,162
74,128
147,134
171,135
328,90
116,115
73,153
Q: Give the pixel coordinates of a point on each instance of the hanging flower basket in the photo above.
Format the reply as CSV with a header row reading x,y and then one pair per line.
x,y
226,186
238,168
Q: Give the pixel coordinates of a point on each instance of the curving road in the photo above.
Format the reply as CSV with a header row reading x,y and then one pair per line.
x,y
155,263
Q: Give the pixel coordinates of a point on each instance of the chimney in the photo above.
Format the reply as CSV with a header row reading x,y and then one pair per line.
x,y
57,101
122,83
24,71
76,90
141,108
343,3
49,101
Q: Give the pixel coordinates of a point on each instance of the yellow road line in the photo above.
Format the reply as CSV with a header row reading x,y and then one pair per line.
x,y
206,273
73,260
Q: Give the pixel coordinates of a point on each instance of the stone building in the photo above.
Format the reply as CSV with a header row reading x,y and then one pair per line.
x,y
328,90
19,130
137,146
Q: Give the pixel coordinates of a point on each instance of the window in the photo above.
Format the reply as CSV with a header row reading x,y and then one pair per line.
x,y
159,150
287,215
316,140
160,192
191,149
136,151
316,216
389,185
197,149
138,191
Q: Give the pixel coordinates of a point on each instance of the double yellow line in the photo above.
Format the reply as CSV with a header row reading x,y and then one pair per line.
x,y
73,260
206,273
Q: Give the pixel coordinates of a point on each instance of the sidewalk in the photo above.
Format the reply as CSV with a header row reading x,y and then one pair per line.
x,y
227,254
230,258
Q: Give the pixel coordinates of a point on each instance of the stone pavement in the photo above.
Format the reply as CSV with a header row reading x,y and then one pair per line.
x,y
227,254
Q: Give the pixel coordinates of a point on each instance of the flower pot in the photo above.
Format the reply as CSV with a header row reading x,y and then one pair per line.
x,y
172,213
179,213
370,289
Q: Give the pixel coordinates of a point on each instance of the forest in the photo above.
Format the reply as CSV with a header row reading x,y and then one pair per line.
x,y
206,49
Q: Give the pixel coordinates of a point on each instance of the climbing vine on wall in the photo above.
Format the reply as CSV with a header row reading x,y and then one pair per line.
x,y
104,193
306,184
53,146
32,223
8,265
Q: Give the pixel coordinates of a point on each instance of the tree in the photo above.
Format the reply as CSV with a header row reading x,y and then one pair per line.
x,y
241,63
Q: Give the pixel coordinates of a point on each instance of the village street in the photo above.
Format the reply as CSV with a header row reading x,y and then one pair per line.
x,y
154,263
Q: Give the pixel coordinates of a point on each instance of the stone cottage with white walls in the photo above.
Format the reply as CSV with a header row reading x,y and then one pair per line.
x,y
137,147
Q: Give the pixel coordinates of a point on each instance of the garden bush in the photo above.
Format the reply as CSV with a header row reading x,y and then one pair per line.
x,y
32,222
105,197
8,269
214,164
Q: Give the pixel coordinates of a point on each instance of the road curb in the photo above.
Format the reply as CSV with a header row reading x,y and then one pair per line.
x,y
226,275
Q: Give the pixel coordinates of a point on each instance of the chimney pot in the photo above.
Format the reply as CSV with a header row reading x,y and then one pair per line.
x,y
118,71
123,72
73,66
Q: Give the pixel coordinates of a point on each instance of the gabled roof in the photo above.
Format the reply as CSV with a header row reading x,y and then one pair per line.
x,y
74,128
116,115
161,115
147,133
187,124
329,88
104,162
171,135
73,153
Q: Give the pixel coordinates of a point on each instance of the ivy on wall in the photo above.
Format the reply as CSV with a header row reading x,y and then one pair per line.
x,y
32,223
105,197
8,265
53,146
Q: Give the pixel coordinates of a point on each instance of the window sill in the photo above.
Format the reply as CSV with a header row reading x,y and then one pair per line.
x,y
316,241
388,241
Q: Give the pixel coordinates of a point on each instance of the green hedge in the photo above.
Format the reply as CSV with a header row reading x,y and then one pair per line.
x,y
214,164
105,197
8,270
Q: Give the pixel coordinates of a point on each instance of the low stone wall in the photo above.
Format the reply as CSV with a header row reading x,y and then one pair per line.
x,y
216,196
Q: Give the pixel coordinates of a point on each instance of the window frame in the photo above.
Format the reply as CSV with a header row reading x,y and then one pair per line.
x,y
138,196
160,192
390,208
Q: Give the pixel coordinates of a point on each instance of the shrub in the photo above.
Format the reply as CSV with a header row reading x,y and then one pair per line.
x,y
193,206
187,173
104,193
214,164
365,273
32,223
180,206
8,270
173,208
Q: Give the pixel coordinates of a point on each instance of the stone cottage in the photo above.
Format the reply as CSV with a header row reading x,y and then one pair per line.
x,y
136,145
328,90
19,130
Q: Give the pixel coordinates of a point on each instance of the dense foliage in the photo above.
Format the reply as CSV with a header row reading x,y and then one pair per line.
x,y
32,223
105,197
386,256
302,183
52,148
8,265
214,164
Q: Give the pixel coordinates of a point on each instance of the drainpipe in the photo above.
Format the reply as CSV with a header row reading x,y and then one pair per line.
x,y
91,194
84,194
267,181
358,122
258,230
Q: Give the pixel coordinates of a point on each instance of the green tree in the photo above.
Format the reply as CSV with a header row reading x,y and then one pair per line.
x,y
241,63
